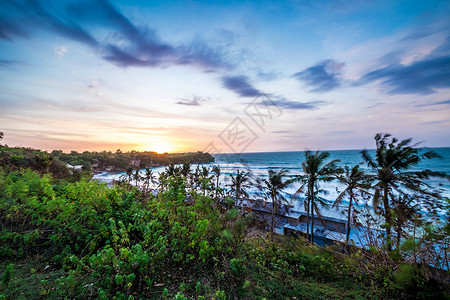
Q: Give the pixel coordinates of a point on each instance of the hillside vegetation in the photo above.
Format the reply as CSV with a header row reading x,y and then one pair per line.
x,y
183,236
84,239
55,162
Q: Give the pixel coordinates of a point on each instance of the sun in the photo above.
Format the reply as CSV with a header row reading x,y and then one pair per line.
x,y
161,147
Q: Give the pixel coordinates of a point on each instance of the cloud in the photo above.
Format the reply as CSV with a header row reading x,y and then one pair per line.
x,y
240,85
376,104
322,77
340,132
60,51
441,102
281,102
287,104
195,101
282,131
267,76
5,63
434,103
432,123
420,77
423,75
122,43
198,53
20,18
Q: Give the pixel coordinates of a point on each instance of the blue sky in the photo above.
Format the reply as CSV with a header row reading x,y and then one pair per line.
x,y
173,75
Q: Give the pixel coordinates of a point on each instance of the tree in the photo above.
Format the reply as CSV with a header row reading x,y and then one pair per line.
x,y
274,185
172,170
43,161
137,177
129,172
185,170
216,170
239,184
163,181
149,177
315,170
205,178
405,213
195,178
355,180
392,164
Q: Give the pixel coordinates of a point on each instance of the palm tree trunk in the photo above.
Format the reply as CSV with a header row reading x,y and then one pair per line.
x,y
349,215
217,186
273,216
312,214
414,239
307,215
387,217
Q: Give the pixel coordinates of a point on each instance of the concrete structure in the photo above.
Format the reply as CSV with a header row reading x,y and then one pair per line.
x,y
330,228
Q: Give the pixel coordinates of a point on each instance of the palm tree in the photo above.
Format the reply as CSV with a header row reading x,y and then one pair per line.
x,y
216,170
315,170
137,177
163,181
129,172
172,170
185,169
239,184
275,184
355,180
204,179
393,159
195,178
148,177
405,213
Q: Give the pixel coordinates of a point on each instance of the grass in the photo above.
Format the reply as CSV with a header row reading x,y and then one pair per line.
x,y
272,285
31,278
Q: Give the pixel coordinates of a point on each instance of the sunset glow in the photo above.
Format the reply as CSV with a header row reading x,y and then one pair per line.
x,y
160,147
122,74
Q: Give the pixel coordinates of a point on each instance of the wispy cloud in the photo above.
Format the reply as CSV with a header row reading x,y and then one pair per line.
x,y
61,51
445,102
322,77
441,102
282,131
124,43
377,104
288,104
267,76
240,85
422,76
4,63
432,123
340,132
195,101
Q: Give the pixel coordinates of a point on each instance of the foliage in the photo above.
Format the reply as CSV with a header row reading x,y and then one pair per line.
x,y
119,161
393,177
15,158
315,170
239,185
84,239
274,186
355,180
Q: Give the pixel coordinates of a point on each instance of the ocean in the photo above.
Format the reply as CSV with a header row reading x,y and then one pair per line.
x,y
259,163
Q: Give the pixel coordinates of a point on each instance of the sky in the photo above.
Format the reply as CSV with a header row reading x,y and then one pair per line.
x,y
223,76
